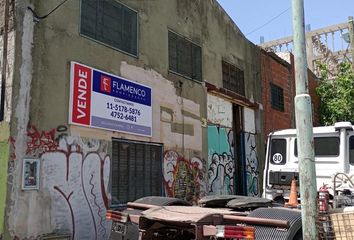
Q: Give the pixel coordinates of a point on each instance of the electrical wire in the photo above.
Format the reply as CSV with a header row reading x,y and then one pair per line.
x,y
269,21
43,17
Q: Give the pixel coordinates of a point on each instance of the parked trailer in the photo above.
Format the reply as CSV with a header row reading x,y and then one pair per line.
x,y
195,222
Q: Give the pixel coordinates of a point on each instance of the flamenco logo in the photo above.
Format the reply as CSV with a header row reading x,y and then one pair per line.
x,y
106,84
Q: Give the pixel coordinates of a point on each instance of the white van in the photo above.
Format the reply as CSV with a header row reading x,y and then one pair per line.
x,y
334,153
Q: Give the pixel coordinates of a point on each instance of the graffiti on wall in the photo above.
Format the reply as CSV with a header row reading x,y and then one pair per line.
x,y
183,178
252,170
75,174
221,162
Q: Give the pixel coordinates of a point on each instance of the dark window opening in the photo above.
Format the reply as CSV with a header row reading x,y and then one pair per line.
x,y
351,150
278,151
277,97
324,147
110,23
136,170
184,57
233,78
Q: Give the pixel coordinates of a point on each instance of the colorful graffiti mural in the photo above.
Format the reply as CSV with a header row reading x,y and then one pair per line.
x,y
252,170
183,178
221,161
74,174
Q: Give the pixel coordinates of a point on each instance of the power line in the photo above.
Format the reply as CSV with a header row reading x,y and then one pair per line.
x,y
269,21
37,17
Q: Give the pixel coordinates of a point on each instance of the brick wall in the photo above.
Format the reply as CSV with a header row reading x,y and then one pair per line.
x,y
281,73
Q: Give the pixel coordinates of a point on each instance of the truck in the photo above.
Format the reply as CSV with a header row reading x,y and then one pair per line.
x,y
334,156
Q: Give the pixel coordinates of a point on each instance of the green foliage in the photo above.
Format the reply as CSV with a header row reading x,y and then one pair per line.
x,y
337,94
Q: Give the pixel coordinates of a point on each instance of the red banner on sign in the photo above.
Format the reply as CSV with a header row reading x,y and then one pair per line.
x,y
81,103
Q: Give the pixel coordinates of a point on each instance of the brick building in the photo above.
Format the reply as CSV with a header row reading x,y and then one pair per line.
x,y
278,91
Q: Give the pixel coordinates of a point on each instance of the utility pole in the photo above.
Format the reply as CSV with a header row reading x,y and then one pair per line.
x,y
351,37
304,124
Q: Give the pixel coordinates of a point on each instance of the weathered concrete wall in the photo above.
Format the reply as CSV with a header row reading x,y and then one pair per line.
x,y
20,205
73,198
177,123
219,111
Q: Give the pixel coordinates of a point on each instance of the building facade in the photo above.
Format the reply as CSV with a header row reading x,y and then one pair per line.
x,y
278,92
114,100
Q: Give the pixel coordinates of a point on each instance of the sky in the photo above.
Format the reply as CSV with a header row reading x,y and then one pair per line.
x,y
250,15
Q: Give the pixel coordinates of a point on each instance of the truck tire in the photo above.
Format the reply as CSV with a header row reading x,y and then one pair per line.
x,y
293,216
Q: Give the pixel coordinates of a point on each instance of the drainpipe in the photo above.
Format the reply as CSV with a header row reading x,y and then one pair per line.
x,y
303,115
4,61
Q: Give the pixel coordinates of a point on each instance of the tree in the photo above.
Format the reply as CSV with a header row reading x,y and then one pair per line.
x,y
337,94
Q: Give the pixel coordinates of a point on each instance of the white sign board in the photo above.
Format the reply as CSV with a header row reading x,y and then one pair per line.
x,y
102,100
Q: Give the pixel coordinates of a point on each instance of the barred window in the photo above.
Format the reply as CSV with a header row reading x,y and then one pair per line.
x,y
233,78
277,97
111,23
184,57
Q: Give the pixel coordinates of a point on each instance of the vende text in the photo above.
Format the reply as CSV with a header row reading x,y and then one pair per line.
x,y
82,95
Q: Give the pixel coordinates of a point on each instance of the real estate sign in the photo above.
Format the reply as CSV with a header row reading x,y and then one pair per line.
x,y
102,100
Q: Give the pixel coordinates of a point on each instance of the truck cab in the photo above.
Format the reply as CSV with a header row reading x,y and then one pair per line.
x,y
334,153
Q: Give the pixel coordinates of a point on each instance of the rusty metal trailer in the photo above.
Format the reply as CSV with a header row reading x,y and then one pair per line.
x,y
147,221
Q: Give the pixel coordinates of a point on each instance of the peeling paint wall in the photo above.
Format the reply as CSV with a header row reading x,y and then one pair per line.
x,y
219,111
178,126
221,157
